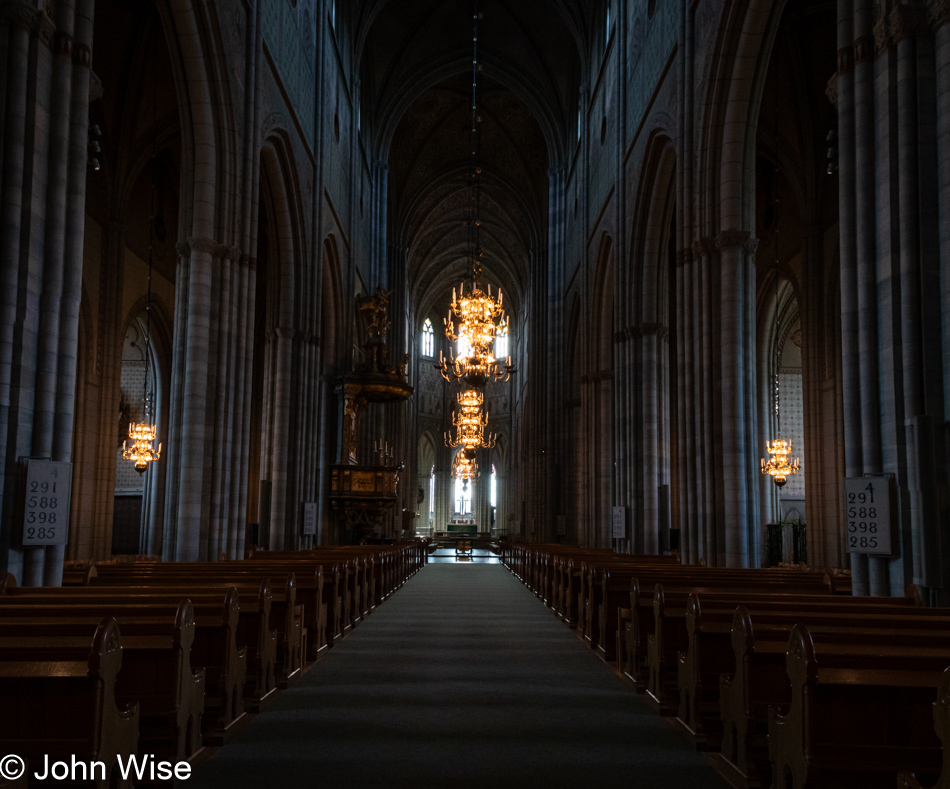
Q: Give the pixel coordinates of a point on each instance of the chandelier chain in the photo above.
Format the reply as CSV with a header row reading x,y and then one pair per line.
x,y
780,465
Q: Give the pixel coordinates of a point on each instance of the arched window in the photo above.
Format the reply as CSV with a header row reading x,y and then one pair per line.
x,y
607,26
493,490
428,338
502,350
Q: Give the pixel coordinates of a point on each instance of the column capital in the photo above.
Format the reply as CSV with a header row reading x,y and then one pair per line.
x,y
62,43
730,239
640,330
197,244
46,27
227,252
938,13
82,57
831,90
21,14
903,21
864,50
701,247
845,60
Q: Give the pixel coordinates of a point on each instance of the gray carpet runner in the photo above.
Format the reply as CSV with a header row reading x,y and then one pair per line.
x,y
461,679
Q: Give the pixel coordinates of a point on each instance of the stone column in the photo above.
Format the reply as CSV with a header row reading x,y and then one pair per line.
x,y
890,273
283,509
19,25
847,213
690,545
45,60
194,301
941,25
737,299
651,342
206,456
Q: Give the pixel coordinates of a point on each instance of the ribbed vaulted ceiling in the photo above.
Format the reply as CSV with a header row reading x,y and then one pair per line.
x,y
416,86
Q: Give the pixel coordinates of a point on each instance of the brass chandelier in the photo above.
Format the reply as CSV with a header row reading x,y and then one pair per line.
x,y
464,466
143,435
779,466
480,319
470,423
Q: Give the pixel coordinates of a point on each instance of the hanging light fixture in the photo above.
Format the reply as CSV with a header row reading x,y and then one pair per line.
x,y
780,465
464,466
470,423
475,316
144,434
142,452
480,319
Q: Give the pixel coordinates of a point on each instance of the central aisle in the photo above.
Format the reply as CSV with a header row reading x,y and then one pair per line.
x,y
461,679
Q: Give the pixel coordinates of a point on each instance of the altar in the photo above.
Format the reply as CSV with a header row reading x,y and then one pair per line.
x,y
461,525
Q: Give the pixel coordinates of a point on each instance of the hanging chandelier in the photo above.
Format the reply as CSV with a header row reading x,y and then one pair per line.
x,y
780,465
464,466
470,423
475,316
480,318
144,434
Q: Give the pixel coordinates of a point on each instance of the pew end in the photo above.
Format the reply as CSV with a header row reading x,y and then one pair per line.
x,y
907,779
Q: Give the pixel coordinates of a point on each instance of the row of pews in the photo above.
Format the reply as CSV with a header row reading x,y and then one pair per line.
x,y
160,660
783,677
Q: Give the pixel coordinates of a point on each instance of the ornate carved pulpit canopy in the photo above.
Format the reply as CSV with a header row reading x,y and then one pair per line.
x,y
366,492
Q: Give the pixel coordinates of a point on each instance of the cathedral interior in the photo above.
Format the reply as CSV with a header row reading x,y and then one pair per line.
x,y
713,224
716,228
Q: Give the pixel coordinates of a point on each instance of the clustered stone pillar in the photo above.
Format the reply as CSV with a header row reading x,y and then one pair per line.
x,y
214,292
716,402
892,286
46,54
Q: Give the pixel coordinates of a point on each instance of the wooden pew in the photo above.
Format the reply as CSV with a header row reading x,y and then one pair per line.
x,y
672,610
340,596
214,649
65,705
335,583
285,616
709,626
248,677
907,779
668,636
758,679
156,674
639,619
608,587
858,714
314,597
